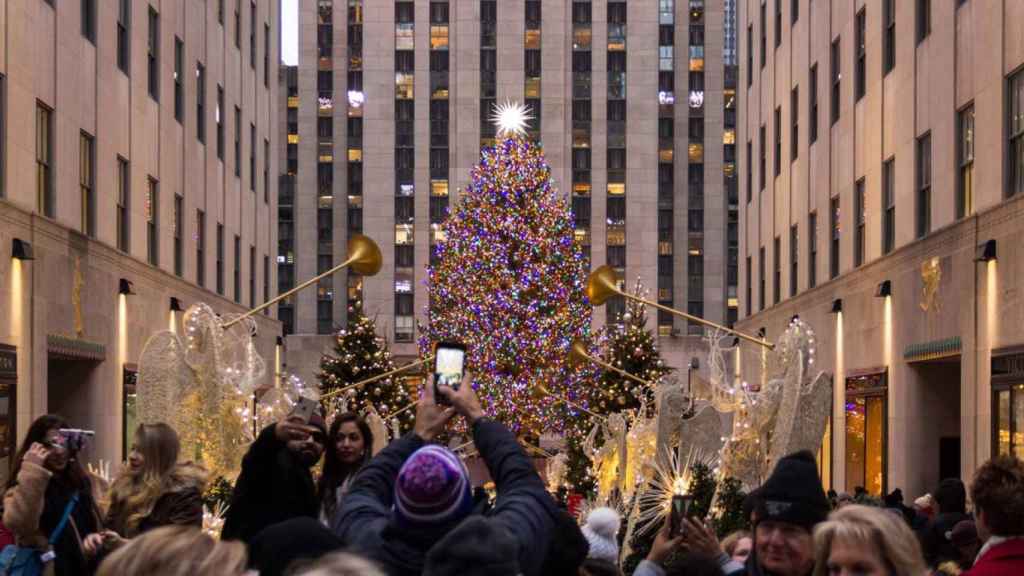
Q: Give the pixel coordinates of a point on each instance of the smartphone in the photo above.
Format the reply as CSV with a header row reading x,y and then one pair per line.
x,y
680,509
303,409
74,439
449,359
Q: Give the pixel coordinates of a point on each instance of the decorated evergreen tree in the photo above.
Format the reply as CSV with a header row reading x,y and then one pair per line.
x,y
509,284
360,353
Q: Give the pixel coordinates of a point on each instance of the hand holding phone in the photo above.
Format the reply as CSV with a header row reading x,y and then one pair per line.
x,y
303,409
680,510
449,362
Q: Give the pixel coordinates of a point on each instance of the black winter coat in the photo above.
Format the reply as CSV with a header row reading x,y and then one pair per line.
x,y
523,506
273,487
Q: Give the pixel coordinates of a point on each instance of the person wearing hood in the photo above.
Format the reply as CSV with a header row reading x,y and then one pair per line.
x,y
951,499
152,490
409,509
276,483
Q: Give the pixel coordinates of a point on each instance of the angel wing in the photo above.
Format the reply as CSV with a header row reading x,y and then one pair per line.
x,y
815,408
163,379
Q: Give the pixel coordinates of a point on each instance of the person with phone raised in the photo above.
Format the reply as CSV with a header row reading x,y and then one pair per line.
x,y
409,509
276,483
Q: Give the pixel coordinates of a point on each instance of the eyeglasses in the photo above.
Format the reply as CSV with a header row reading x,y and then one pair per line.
x,y
319,438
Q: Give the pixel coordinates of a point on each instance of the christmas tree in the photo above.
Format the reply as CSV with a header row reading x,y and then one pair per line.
x,y
509,284
360,353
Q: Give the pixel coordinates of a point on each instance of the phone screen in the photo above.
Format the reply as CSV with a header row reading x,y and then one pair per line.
x,y
448,365
680,509
304,409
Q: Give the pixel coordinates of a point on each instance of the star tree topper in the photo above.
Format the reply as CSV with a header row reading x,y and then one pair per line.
x,y
511,118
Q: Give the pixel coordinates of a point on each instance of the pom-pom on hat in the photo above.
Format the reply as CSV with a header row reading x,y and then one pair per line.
x,y
601,531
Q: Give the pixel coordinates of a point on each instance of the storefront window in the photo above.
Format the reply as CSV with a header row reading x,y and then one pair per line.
x,y
866,432
1008,404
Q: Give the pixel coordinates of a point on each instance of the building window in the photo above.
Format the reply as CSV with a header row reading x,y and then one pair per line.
x,y
924,185
179,79
761,280
888,205
836,78
266,56
200,102
750,171
778,140
750,289
834,232
778,23
200,237
812,108
889,36
965,162
238,269
777,271
1008,405
44,161
177,233
794,252
860,77
123,205
152,222
266,170
252,157
866,432
859,215
764,34
238,142
252,34
763,159
89,20
794,11
812,249
924,19
153,54
238,24
124,41
218,118
220,12
266,282
87,183
220,259
1016,134
404,319
750,56
794,124
252,276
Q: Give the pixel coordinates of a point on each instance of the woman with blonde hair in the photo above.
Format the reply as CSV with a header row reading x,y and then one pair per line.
x,y
176,551
154,489
866,541
340,564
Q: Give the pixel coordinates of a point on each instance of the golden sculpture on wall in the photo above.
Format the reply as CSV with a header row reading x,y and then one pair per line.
x,y
931,274
76,298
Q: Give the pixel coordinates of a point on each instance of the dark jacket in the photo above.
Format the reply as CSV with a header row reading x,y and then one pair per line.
x,y
938,548
1003,559
181,504
273,487
523,506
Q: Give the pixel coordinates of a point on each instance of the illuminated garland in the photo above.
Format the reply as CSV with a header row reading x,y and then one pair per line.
x,y
509,283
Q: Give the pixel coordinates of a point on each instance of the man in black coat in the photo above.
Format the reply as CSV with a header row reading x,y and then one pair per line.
x,y
276,483
512,538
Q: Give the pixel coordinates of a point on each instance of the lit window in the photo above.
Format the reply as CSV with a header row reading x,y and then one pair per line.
x,y
293,138
729,136
406,190
404,36
581,189
293,101
616,235
403,280
583,236
403,86
532,89
403,234
696,152
355,155
665,155
581,39
438,187
616,188
437,234
532,40
438,37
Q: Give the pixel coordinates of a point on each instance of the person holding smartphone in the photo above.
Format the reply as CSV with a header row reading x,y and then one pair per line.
x,y
276,483
47,477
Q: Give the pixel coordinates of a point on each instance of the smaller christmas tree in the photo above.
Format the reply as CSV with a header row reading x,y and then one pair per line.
x,y
359,353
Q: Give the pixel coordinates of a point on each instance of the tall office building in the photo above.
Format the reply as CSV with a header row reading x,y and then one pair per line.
x,y
393,106
136,179
882,180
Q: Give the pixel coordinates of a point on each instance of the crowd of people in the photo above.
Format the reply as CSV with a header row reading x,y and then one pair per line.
x,y
410,509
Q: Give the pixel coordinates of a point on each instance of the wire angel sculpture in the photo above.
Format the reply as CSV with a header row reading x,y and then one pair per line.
x,y
203,386
609,460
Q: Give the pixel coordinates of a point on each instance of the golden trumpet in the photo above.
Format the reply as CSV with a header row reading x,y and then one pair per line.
x,y
603,284
363,257
578,354
378,377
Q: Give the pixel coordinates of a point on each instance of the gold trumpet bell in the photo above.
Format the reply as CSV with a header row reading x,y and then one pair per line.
x,y
602,285
364,255
578,353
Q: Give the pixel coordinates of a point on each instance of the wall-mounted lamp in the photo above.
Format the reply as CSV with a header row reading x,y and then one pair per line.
x,y
176,305
280,341
837,305
762,333
794,318
735,341
125,287
21,250
986,251
883,289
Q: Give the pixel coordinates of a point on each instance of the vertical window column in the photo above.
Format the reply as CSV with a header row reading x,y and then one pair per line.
x,y
695,171
286,205
439,131
616,151
87,183
325,167
354,123
666,162
488,68
582,57
405,153
732,231
532,65
152,221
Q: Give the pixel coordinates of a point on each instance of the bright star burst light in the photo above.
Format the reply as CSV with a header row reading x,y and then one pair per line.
x,y
511,118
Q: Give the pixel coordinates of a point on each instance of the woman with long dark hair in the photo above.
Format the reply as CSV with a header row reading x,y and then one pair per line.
x,y
349,447
47,476
154,489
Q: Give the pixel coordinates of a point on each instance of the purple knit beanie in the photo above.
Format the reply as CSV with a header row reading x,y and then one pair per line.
x,y
432,488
